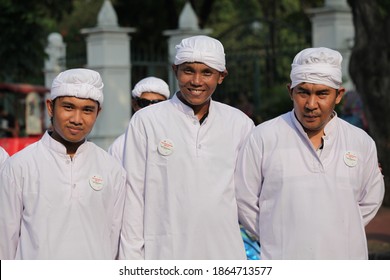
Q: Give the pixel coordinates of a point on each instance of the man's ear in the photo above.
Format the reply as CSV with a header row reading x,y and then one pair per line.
x,y
174,69
50,107
222,76
290,90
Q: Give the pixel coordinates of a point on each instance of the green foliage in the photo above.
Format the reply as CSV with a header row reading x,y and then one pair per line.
x,y
24,26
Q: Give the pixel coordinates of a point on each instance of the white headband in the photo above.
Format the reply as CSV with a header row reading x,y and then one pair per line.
x,y
202,49
80,83
151,84
317,66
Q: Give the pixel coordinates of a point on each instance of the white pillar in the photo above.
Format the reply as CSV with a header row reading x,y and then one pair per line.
x,y
332,27
188,26
108,52
54,64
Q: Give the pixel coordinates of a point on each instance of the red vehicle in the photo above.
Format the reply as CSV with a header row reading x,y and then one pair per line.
x,y
21,115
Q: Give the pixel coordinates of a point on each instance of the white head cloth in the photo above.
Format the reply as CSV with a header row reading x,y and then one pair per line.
x,y
80,83
202,49
151,84
317,66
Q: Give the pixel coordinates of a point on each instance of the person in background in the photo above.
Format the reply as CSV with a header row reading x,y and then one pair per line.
x,y
62,197
308,182
7,124
3,156
180,157
148,91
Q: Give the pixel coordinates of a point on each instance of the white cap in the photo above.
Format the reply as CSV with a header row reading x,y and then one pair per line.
x,y
80,83
151,84
202,49
317,66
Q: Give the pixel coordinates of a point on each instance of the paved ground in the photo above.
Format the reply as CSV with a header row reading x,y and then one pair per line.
x,y
378,235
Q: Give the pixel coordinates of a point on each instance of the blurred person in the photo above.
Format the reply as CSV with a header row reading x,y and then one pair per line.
x,y
62,197
7,124
148,91
308,182
180,157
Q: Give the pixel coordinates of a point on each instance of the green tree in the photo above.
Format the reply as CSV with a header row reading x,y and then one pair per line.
x,y
24,27
369,69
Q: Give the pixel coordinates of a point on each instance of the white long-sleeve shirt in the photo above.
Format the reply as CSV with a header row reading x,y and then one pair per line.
x,y
308,204
182,203
116,149
53,206
3,155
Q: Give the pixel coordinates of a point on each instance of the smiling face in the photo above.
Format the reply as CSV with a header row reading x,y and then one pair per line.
x,y
72,119
197,82
314,105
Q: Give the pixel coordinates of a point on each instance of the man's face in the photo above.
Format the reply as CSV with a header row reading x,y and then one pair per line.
x,y
146,99
197,82
314,105
73,118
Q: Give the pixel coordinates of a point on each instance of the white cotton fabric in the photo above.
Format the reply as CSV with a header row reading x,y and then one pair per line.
x,y
317,66
116,149
48,208
151,84
3,156
182,205
80,83
302,205
202,49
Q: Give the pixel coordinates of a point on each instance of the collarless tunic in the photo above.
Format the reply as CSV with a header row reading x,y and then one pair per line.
x,y
182,203
53,206
304,204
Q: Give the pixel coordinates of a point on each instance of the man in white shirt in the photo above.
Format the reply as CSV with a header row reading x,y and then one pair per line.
x,y
307,182
146,92
180,157
62,197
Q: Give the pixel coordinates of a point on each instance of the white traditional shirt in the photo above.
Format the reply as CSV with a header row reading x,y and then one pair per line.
x,y
53,206
3,155
304,204
182,203
116,149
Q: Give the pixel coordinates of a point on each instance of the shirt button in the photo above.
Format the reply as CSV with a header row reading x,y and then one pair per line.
x,y
199,146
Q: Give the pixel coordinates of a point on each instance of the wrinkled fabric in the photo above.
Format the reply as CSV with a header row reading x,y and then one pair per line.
x,y
80,83
151,84
308,204
202,49
52,207
181,203
318,66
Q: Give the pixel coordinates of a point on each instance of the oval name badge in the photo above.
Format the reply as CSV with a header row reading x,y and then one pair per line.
x,y
96,182
165,147
350,159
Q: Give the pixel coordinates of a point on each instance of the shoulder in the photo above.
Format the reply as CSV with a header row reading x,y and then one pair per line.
x,y
231,113
354,133
104,157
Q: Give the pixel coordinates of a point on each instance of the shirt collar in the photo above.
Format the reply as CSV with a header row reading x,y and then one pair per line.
x,y
58,147
187,110
329,129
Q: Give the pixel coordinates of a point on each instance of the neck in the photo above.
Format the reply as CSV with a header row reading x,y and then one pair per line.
x,y
199,110
71,147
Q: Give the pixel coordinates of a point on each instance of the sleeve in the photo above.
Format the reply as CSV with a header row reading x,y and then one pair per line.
x,y
118,213
248,179
132,235
117,148
11,208
373,189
